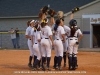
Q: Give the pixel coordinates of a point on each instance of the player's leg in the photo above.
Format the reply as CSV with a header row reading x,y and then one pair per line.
x,y
60,51
31,53
48,51
40,62
70,57
56,56
64,58
43,53
75,65
35,57
36,49
65,54
39,55
72,42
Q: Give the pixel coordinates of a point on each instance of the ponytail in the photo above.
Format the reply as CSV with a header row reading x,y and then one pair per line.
x,y
57,24
73,30
55,27
36,28
44,22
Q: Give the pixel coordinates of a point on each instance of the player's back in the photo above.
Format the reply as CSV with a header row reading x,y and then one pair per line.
x,y
46,32
59,32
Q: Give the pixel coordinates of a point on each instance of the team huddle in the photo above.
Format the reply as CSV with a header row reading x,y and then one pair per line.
x,y
44,34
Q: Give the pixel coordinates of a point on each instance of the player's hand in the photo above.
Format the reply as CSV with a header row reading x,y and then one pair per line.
x,y
77,43
63,41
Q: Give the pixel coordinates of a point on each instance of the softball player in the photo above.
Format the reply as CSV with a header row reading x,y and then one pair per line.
x,y
65,45
73,44
46,43
29,42
66,29
36,45
58,42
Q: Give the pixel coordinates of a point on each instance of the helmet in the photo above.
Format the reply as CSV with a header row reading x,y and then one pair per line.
x,y
73,22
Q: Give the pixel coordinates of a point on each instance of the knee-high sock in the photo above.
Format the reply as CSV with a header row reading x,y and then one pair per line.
x,y
35,57
64,57
59,61
43,60
48,61
55,61
39,63
30,59
36,63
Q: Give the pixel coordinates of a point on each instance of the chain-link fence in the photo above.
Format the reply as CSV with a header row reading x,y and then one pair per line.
x,y
6,42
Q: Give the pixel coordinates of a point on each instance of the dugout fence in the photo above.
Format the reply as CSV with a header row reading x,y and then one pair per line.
x,y
6,42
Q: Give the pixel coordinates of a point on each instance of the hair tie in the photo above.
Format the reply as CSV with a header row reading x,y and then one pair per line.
x,y
71,26
43,21
35,28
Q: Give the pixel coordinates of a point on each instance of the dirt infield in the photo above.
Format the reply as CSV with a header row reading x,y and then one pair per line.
x,y
14,62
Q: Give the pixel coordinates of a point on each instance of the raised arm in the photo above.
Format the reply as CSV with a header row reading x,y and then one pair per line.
x,y
43,16
52,21
71,16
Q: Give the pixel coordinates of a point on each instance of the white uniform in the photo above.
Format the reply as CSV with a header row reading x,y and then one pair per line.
x,y
36,45
58,41
45,41
46,46
73,47
29,42
67,30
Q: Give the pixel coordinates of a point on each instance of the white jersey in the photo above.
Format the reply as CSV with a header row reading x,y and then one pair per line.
x,y
46,32
32,31
29,42
67,30
78,32
59,32
36,36
28,31
73,47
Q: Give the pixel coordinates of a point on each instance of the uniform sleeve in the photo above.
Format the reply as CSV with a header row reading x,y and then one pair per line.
x,y
62,30
32,31
27,32
79,32
67,29
49,31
